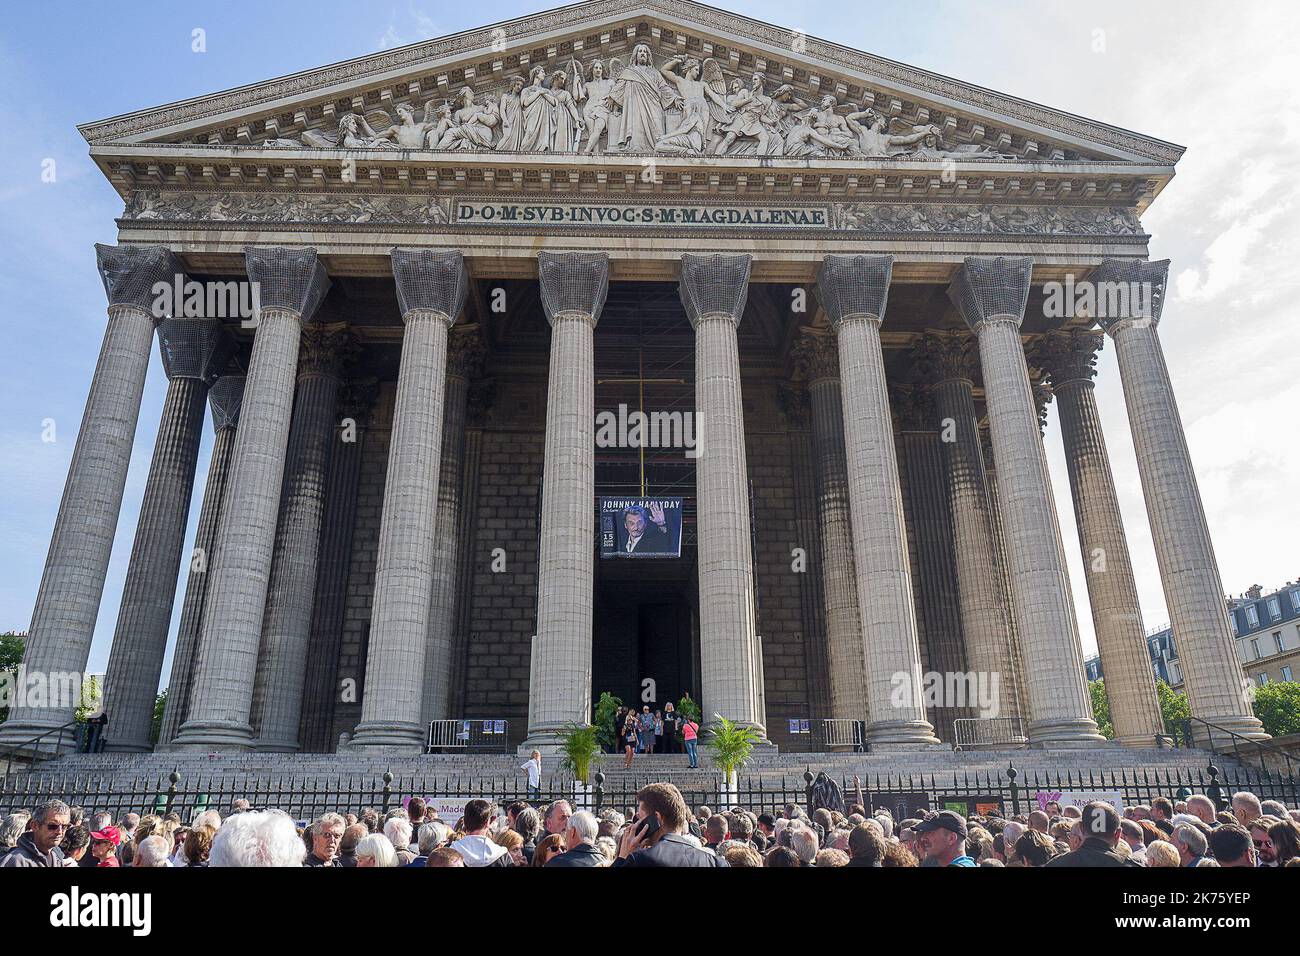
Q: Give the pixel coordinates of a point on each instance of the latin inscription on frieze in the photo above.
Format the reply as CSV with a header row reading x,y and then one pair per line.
x,y
712,216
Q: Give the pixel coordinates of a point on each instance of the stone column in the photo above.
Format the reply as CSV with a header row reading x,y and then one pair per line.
x,y
854,291
574,286
1189,571
714,289
819,358
990,294
322,690
947,361
194,351
291,284
1070,359
935,594
431,289
465,356
286,623
225,397
67,604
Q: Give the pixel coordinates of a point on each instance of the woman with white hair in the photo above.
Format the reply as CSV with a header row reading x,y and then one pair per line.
x,y
398,831
257,838
376,850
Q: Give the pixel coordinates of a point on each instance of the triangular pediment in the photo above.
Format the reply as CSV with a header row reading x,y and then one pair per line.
x,y
463,100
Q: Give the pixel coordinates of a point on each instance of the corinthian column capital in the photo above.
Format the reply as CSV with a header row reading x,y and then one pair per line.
x,y
713,286
992,289
466,351
130,273
226,397
573,283
945,356
816,356
430,281
1069,357
854,287
326,351
1129,292
194,348
289,279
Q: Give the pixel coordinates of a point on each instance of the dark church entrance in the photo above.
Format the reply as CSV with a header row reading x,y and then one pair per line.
x,y
645,645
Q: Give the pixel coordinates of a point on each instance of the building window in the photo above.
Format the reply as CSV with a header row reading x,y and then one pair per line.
x,y
1263,679
1274,609
1295,600
1277,639
1255,652
1286,672
1252,616
1233,618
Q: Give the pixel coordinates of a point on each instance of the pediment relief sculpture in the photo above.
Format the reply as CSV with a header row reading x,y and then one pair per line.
x,y
686,106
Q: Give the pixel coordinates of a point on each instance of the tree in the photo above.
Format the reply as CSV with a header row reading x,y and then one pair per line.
x,y
1101,707
1277,706
606,708
11,655
1173,707
155,728
689,708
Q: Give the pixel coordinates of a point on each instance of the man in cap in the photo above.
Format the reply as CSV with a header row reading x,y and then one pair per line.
x,y
941,838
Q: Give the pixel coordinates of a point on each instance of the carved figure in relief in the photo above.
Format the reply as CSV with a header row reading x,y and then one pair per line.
x,y
406,132
756,116
512,116
568,121
644,97
703,91
468,125
597,115
875,138
538,105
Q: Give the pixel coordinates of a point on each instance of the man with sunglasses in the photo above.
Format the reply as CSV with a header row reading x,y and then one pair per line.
x,y
39,846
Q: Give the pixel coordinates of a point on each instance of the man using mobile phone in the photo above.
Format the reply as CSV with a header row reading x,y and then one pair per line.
x,y
655,835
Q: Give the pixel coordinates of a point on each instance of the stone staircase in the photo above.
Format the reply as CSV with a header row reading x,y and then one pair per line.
x,y
114,769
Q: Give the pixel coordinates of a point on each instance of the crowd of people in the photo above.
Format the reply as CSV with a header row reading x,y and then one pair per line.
x,y
663,831
660,731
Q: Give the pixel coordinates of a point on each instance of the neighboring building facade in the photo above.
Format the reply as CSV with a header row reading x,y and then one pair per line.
x,y
1267,631
856,276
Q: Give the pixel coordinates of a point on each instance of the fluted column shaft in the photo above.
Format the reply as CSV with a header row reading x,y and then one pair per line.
x,y
286,624
844,645
442,600
985,617
322,690
140,640
190,348
714,290
573,288
431,289
1112,592
392,697
293,284
225,396
854,291
67,604
1189,570
991,295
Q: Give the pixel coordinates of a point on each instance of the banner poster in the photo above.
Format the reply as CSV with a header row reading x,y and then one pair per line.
x,y
901,805
640,527
980,806
1053,801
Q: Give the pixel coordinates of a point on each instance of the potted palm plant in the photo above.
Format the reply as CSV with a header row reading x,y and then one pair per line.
x,y
730,745
580,749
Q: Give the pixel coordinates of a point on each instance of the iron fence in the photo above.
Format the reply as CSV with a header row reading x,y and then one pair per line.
x,y
1010,791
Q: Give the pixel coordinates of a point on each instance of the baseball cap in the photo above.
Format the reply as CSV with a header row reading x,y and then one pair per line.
x,y
943,820
112,835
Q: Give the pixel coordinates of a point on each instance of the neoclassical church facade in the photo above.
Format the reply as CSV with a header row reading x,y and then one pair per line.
x,y
859,281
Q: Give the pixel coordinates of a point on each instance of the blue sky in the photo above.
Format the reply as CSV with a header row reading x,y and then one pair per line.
x,y
1222,86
